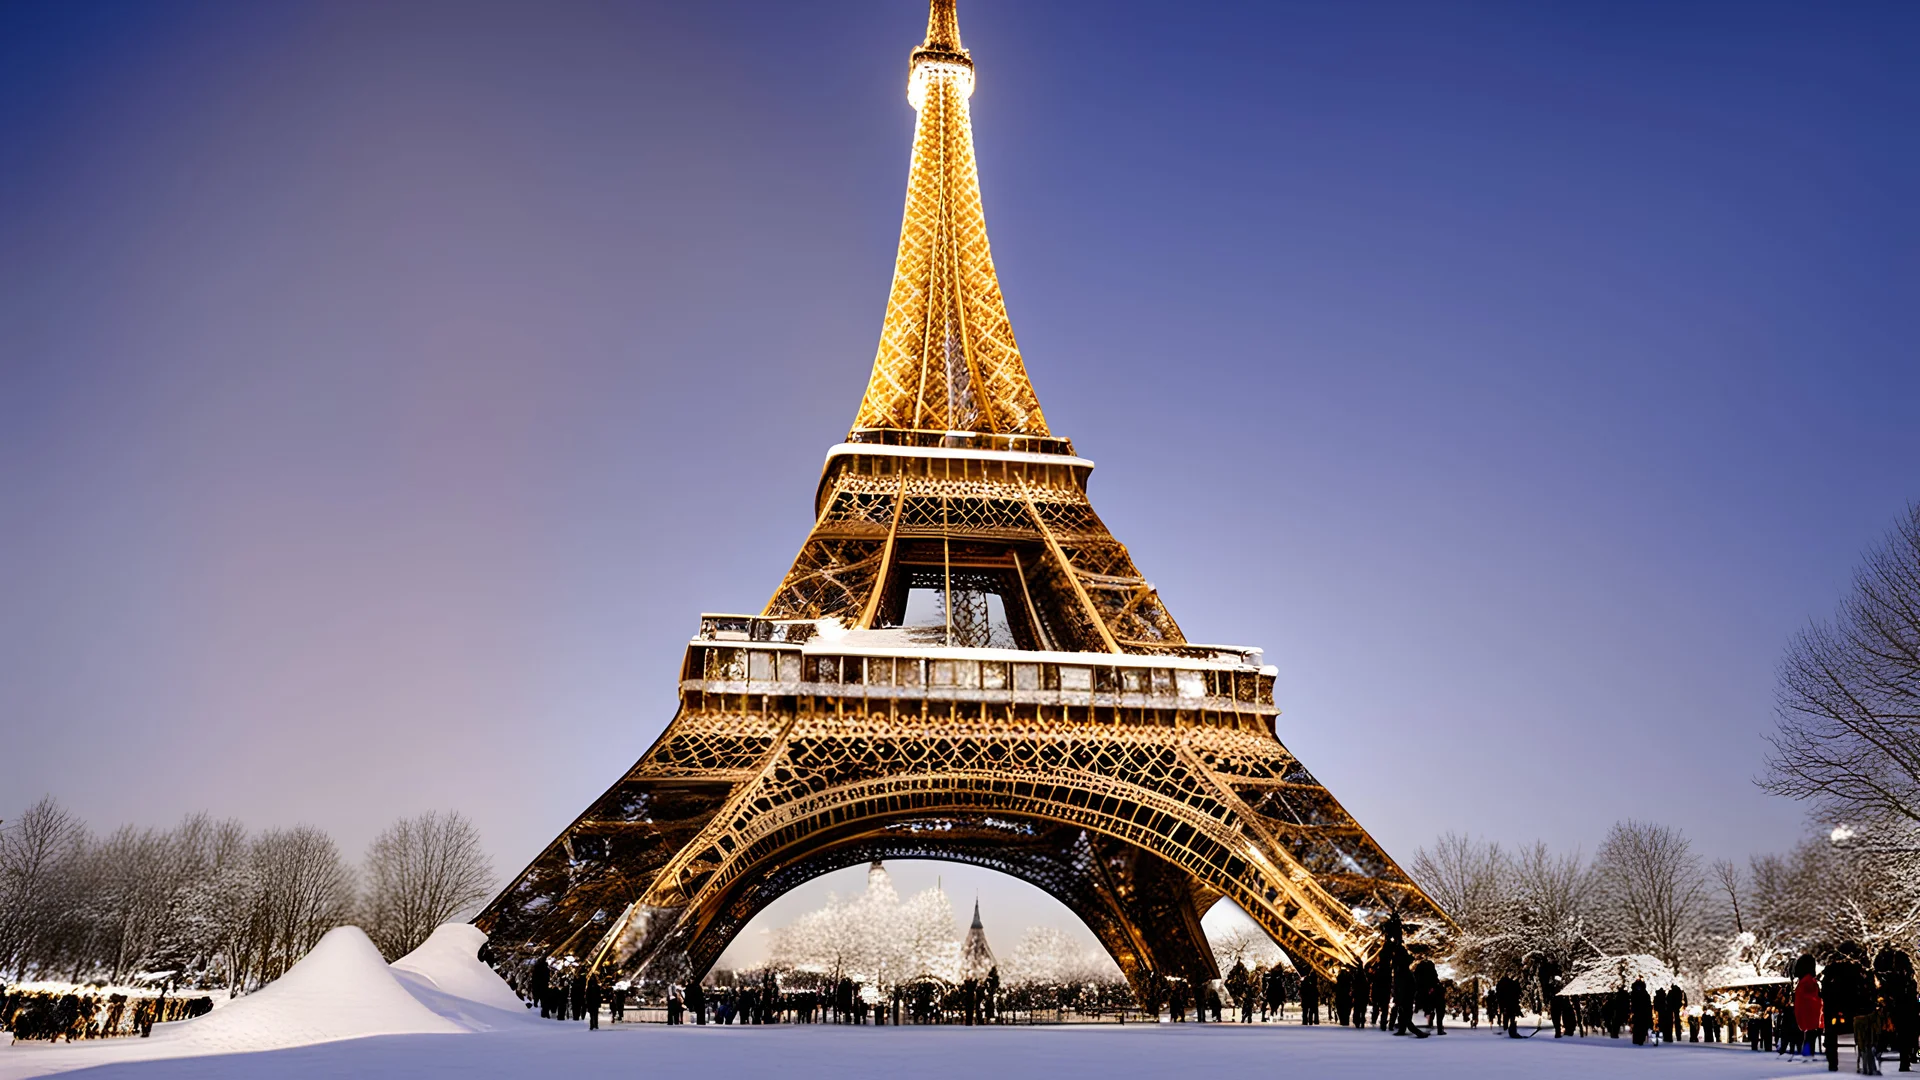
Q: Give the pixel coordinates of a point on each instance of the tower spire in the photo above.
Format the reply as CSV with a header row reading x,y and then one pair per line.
x,y
947,359
943,25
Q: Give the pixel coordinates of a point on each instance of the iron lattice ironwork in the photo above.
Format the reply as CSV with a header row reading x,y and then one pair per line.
x,y
1051,721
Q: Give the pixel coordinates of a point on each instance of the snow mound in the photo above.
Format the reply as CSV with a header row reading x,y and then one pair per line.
x,y
343,989
446,975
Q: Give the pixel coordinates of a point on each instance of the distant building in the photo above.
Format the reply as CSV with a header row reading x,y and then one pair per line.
x,y
976,956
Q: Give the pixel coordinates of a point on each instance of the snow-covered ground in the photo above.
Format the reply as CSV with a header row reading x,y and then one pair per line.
x,y
439,1012
820,1052
342,990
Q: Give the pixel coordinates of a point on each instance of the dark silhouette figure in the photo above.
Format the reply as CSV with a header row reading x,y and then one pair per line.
x,y
1426,992
1405,995
537,987
1640,1012
1507,993
1662,1017
1309,998
1560,1012
1845,993
1274,992
1900,1003
1361,986
590,998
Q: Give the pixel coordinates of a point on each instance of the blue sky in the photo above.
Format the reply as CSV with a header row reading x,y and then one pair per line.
x,y
385,389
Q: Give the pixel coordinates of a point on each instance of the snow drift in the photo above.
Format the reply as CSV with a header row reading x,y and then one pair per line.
x,y
343,989
445,974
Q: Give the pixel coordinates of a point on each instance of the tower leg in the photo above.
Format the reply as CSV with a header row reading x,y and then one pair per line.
x,y
1152,901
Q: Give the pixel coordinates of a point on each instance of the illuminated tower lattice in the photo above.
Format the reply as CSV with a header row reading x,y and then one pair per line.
x,y
962,664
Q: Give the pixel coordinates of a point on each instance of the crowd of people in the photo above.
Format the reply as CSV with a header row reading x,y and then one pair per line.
x,y
1873,1005
563,991
51,1016
1816,1012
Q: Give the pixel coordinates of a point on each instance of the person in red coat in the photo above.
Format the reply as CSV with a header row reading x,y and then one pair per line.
x,y
1806,1005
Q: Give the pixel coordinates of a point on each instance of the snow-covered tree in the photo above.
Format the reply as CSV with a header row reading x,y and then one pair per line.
x,y
36,854
421,872
1550,898
1649,895
1050,955
873,938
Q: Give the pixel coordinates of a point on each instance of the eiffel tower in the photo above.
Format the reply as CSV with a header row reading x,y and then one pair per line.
x,y
962,664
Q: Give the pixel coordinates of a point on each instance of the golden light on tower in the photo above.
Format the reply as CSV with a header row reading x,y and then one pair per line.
x,y
947,358
1054,723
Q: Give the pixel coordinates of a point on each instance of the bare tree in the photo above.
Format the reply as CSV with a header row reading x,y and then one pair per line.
x,y
1234,946
209,908
1550,899
1467,878
1649,892
32,850
1726,878
1472,881
300,890
1848,734
421,872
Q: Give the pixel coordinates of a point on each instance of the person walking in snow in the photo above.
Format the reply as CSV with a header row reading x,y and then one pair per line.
x,y
1426,986
1549,989
1900,1003
1393,933
1846,991
590,998
537,988
1361,987
1868,1022
618,1010
1405,996
1507,993
1239,985
1808,1008
1640,1012
1662,1019
1309,998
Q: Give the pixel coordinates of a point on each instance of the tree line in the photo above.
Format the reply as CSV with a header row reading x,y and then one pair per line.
x,y
1646,891
1846,742
208,904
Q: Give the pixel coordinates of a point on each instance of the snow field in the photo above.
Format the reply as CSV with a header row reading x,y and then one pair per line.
x,y
1092,1052
342,1012
343,989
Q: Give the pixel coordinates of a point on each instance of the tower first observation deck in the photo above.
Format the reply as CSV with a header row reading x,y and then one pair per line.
x,y
963,663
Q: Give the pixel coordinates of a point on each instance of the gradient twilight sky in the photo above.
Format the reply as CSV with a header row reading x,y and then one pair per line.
x,y
386,387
